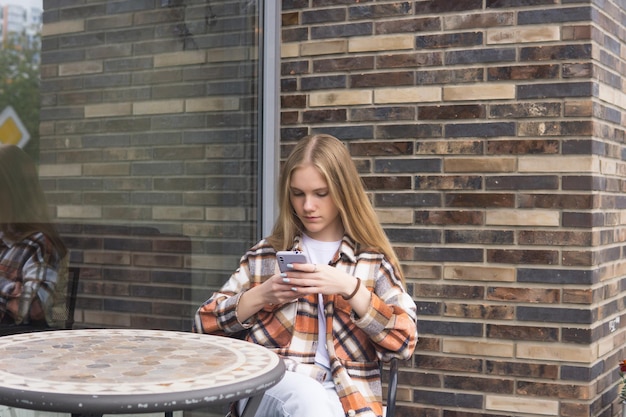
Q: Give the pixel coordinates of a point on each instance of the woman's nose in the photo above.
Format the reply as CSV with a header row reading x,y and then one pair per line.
x,y
308,204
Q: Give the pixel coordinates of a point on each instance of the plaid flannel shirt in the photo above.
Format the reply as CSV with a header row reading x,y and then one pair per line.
x,y
355,344
28,269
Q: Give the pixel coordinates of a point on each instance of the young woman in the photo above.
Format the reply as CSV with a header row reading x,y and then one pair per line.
x,y
31,251
333,318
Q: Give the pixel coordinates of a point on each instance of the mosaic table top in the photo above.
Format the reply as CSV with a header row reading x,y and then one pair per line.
x,y
130,370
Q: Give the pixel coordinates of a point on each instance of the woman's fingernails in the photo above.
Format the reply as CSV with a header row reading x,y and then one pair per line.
x,y
294,289
290,266
285,280
283,274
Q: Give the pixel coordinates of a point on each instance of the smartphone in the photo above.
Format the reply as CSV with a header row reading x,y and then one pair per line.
x,y
285,257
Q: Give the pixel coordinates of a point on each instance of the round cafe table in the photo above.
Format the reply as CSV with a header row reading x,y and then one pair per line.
x,y
113,371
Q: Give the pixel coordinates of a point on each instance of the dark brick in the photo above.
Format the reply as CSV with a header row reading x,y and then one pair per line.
x,y
382,114
586,220
585,183
480,56
448,363
359,63
449,254
449,399
452,40
522,147
441,217
468,111
410,60
582,373
581,336
323,82
482,237
525,333
522,182
556,52
479,200
294,34
556,276
523,72
294,67
436,6
578,70
341,31
447,147
403,131
382,79
387,183
555,15
402,165
557,90
559,238
557,201
556,315
513,256
525,110
406,235
425,24
465,75
361,12
464,383
323,16
527,370
384,148
347,132
410,200
541,389
448,182
483,130
324,116
450,328
523,295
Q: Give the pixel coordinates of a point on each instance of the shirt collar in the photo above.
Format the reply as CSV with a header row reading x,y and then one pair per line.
x,y
347,248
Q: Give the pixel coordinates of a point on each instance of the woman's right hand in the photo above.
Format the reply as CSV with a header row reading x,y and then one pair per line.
x,y
276,290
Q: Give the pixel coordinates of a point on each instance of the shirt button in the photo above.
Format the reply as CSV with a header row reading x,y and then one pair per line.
x,y
351,413
337,381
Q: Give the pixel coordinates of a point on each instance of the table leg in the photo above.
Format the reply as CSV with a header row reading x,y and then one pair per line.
x,y
252,406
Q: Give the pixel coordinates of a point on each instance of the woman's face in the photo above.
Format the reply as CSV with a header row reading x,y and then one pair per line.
x,y
311,200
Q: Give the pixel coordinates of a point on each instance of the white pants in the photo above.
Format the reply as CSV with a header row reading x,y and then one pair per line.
x,y
298,395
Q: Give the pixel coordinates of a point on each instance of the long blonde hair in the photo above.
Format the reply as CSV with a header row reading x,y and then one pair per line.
x,y
23,207
333,161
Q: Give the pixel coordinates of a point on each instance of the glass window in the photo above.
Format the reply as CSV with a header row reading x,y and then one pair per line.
x,y
149,149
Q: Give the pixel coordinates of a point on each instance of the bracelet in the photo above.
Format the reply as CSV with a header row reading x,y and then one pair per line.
x,y
358,285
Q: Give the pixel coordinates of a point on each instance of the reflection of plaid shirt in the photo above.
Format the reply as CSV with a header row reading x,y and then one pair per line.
x,y
355,344
28,269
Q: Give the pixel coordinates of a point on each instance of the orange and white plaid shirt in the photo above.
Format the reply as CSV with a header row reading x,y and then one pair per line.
x,y
355,344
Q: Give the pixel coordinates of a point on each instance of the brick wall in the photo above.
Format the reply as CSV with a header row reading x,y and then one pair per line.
x,y
490,136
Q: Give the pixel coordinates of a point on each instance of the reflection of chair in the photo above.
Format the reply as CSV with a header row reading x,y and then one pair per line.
x,y
65,315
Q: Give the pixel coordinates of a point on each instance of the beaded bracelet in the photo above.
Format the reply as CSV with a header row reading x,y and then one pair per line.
x,y
358,285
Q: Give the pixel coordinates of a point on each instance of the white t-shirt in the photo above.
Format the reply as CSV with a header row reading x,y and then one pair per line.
x,y
319,252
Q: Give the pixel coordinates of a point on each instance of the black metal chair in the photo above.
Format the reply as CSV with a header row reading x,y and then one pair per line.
x,y
392,388
64,315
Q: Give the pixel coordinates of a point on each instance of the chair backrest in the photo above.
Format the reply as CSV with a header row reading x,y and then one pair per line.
x,y
390,409
72,291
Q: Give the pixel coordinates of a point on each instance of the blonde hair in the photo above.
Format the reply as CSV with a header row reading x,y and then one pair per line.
x,y
23,207
333,161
